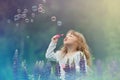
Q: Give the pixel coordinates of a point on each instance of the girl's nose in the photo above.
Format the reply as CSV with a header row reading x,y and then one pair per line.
x,y
65,38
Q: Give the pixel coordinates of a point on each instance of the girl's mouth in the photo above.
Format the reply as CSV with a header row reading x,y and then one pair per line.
x,y
65,39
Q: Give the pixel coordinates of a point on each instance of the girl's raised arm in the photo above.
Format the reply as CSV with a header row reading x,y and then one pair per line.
x,y
50,53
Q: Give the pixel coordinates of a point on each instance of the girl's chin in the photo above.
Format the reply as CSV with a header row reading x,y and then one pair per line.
x,y
66,43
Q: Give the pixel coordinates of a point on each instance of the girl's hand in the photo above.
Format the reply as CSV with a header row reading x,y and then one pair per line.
x,y
56,37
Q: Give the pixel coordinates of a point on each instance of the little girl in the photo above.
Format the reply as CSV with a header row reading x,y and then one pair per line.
x,y
73,58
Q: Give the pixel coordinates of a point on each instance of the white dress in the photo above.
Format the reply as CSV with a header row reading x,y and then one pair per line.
x,y
55,56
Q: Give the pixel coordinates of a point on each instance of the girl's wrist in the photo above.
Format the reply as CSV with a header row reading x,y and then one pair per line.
x,y
53,42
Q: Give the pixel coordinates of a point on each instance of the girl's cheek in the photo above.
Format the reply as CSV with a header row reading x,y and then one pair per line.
x,y
65,39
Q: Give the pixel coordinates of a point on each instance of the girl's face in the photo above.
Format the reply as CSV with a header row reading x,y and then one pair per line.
x,y
70,39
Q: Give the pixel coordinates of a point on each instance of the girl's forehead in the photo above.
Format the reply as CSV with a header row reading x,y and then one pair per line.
x,y
69,34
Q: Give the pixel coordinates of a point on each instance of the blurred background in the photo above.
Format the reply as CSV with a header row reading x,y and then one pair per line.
x,y
26,28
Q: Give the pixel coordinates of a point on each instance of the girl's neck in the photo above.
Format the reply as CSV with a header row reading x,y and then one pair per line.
x,y
71,49
70,52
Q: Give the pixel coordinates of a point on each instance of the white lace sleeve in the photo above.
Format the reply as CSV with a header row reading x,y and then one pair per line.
x,y
50,54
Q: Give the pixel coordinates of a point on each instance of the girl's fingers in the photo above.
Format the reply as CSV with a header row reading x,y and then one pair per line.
x,y
54,39
57,36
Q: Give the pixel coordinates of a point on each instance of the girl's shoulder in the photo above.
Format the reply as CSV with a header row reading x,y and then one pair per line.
x,y
79,53
58,54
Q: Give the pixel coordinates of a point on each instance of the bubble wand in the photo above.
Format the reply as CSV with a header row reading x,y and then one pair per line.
x,y
59,35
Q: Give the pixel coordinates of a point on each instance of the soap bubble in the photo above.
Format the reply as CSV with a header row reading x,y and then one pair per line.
x,y
8,21
43,11
27,36
59,23
44,1
27,20
53,18
33,15
34,8
40,5
19,10
23,15
40,9
31,20
25,10
17,17
17,24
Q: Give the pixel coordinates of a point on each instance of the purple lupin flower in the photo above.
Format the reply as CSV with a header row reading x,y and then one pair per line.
x,y
38,69
67,67
69,70
99,67
114,68
16,65
82,65
24,74
46,71
57,69
41,70
72,73
72,67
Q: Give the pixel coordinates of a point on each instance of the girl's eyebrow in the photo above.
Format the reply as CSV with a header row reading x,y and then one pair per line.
x,y
69,34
